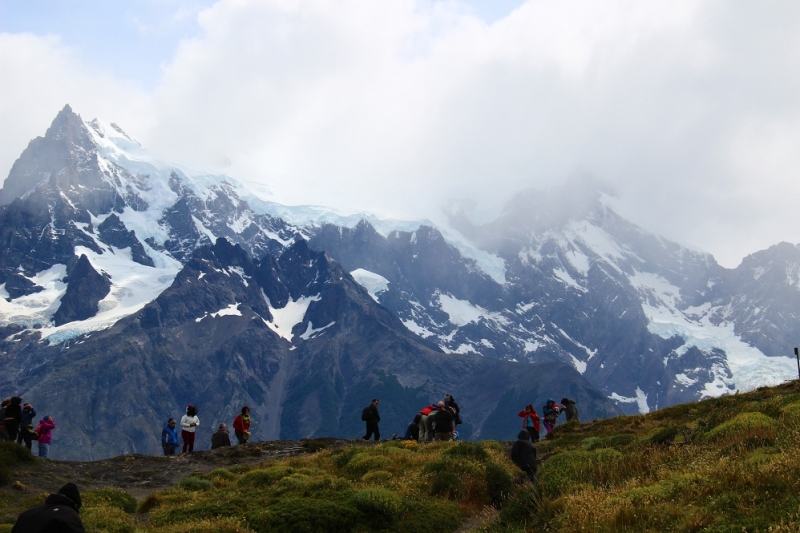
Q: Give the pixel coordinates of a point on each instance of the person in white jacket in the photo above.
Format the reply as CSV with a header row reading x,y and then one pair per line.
x,y
189,424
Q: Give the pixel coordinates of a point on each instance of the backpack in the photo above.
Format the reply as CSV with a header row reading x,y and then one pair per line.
x,y
34,433
365,414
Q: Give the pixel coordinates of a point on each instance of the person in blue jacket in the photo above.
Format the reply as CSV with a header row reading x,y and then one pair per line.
x,y
550,412
169,438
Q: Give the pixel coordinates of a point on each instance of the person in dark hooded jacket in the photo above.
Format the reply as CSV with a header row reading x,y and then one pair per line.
x,y
523,453
59,513
571,409
13,417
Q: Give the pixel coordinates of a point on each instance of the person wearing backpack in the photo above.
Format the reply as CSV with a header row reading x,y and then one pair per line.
x,y
26,427
241,426
371,416
45,431
169,437
530,422
550,412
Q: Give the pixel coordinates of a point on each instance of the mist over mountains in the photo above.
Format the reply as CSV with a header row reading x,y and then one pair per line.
x,y
133,286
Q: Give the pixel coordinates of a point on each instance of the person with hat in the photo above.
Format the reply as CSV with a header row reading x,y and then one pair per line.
x,y
59,513
523,453
169,437
45,431
26,428
189,424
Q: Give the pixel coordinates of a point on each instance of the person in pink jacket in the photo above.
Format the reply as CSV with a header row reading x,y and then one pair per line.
x,y
45,431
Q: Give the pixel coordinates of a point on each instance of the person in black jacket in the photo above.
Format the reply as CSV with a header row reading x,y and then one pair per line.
x,y
59,513
13,417
221,437
450,402
523,453
372,418
571,408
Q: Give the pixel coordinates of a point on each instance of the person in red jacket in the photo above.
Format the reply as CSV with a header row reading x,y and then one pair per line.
x,y
241,425
424,424
530,422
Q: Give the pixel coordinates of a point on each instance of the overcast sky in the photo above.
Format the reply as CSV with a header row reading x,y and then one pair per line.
x,y
689,109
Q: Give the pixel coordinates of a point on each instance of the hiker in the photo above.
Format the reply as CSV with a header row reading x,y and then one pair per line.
x,y
550,412
371,416
59,513
530,422
523,453
13,417
189,424
220,438
169,437
412,431
571,409
45,431
450,402
425,429
444,423
26,427
3,432
241,426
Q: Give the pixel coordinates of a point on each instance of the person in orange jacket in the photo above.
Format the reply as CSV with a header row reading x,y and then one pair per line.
x,y
530,422
241,425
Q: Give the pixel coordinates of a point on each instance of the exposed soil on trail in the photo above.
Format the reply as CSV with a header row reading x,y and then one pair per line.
x,y
139,475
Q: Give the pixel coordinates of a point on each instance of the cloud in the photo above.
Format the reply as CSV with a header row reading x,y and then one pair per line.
x,y
689,109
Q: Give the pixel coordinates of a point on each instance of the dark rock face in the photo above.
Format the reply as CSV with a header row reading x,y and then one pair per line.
x,y
86,288
113,232
212,339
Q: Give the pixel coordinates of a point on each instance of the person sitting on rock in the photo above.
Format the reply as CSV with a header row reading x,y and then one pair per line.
x,y
59,513
220,438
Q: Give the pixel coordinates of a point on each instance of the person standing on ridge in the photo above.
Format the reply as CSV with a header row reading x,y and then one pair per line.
x,y
3,432
371,416
241,426
550,412
59,513
26,427
45,431
13,417
189,425
220,438
571,409
169,437
444,423
450,402
530,421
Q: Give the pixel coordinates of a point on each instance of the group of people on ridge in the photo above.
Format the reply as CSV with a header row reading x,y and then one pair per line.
x,y
523,452
16,424
436,421
189,424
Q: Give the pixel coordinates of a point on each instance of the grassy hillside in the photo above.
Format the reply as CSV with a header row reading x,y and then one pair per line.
x,y
729,464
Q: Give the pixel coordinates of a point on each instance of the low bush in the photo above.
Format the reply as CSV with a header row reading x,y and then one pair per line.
x,y
116,498
12,454
195,483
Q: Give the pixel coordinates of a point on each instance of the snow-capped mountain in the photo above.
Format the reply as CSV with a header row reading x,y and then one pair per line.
x,y
93,228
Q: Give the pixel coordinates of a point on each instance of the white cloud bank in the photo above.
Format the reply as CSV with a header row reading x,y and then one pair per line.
x,y
690,108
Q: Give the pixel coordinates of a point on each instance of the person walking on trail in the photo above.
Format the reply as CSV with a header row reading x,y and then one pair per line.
x,y
241,426
371,416
550,412
13,417
59,513
169,437
444,423
45,431
26,427
530,422
523,453
571,409
425,428
189,424
220,438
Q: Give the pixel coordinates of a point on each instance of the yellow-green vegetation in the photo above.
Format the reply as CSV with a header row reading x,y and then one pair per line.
x,y
729,464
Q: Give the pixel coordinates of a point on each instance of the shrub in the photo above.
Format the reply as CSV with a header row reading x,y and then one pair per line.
x,y
664,436
363,463
743,426
150,502
216,525
468,450
116,498
266,477
499,483
310,515
598,467
12,454
379,505
195,484
107,519
522,508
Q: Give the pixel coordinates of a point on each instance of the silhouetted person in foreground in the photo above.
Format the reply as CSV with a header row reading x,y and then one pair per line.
x,y
523,453
59,513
